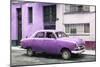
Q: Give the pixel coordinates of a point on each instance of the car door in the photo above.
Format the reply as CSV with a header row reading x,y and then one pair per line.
x,y
38,42
50,42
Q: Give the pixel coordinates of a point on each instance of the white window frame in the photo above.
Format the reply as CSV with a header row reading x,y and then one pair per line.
x,y
74,26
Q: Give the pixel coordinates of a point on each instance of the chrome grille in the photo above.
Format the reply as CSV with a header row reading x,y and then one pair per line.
x,y
81,47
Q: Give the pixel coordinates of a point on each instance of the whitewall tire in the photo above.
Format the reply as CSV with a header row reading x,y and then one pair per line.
x,y
66,54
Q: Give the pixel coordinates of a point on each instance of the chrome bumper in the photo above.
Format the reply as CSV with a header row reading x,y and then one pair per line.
x,y
78,52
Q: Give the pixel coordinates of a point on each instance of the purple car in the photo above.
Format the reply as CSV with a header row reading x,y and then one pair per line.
x,y
53,42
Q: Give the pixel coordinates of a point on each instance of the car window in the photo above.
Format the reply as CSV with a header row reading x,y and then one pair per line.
x,y
61,34
40,35
50,35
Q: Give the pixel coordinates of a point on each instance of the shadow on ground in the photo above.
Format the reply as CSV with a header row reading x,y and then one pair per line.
x,y
50,56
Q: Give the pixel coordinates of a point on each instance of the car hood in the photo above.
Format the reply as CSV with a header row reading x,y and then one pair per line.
x,y
73,40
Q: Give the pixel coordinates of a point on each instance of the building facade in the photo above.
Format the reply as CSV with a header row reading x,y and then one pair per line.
x,y
27,18
75,20
78,21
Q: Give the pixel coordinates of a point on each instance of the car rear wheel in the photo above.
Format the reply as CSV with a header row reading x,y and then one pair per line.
x,y
29,52
66,54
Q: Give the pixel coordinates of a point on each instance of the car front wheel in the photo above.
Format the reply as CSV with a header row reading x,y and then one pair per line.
x,y
66,54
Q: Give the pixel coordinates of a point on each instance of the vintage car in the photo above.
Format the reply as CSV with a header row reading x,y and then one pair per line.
x,y
53,42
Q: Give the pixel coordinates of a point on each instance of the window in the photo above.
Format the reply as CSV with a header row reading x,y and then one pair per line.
x,y
77,28
61,34
86,28
73,8
86,8
76,8
71,28
73,31
40,35
30,13
67,28
50,35
80,8
49,16
19,14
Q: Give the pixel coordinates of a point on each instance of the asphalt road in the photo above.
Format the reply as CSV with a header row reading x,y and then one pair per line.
x,y
19,57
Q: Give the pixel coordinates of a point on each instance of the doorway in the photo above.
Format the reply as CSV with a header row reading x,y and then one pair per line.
x,y
19,21
49,16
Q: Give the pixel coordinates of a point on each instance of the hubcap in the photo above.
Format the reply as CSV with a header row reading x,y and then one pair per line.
x,y
65,55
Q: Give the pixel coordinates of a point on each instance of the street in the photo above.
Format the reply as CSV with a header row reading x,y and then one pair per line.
x,y
19,57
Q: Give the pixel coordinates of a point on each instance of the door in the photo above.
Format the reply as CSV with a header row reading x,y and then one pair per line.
x,y
38,42
50,43
49,17
19,21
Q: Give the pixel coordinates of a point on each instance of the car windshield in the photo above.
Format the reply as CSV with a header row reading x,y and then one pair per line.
x,y
61,34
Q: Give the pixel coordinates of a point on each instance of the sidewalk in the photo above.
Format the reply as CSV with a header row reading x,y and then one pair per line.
x,y
16,48
88,52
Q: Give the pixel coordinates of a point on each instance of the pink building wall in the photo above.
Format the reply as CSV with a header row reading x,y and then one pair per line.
x,y
14,21
27,28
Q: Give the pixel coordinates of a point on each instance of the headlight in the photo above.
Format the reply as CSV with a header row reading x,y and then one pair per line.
x,y
77,47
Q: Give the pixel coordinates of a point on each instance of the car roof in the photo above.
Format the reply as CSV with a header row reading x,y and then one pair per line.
x,y
45,31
